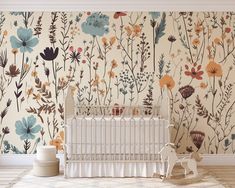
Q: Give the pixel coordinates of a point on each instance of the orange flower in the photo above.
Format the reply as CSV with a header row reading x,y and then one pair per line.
x,y
105,41
203,85
112,40
46,84
135,111
5,33
214,69
196,42
167,81
111,74
114,63
217,41
136,30
61,135
128,30
198,27
57,143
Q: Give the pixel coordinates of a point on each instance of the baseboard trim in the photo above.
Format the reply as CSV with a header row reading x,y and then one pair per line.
x,y
27,159
22,159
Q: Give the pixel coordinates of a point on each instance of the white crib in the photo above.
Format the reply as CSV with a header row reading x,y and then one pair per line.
x,y
114,141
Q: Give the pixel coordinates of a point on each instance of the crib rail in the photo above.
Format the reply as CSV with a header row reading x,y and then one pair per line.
x,y
116,138
117,110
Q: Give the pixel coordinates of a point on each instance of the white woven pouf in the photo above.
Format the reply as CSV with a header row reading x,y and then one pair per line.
x,y
46,163
46,168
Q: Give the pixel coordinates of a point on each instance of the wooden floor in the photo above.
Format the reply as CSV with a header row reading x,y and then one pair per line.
x,y
225,175
10,175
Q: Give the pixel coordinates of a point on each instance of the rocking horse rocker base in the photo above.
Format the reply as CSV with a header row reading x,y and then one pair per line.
x,y
188,163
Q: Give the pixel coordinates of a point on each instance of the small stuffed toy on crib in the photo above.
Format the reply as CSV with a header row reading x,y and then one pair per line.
x,y
188,163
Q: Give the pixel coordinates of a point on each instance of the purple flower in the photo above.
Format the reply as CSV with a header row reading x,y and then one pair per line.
x,y
186,91
49,54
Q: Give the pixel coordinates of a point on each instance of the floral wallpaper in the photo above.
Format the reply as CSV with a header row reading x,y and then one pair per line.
x,y
121,58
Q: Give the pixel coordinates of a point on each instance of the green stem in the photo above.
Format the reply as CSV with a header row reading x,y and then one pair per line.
x,y
154,50
213,93
2,142
55,78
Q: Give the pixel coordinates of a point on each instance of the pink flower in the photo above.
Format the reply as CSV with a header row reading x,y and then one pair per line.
x,y
79,50
71,48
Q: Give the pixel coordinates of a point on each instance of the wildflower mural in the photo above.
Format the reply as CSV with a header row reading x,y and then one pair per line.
x,y
117,58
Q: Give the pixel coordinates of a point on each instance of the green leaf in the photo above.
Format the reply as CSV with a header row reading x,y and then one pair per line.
x,y
233,136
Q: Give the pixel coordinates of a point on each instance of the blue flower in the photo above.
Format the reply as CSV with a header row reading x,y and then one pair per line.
x,y
27,129
96,24
155,15
25,41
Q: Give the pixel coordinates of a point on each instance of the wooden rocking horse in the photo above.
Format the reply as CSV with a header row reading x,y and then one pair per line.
x,y
188,163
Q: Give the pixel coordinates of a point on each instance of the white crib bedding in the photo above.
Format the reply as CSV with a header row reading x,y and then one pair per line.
x,y
123,135
114,169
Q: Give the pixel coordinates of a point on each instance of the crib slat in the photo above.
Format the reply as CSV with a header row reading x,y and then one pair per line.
x,y
129,124
149,144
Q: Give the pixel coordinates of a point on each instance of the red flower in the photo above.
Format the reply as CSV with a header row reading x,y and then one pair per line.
x,y
117,110
197,138
195,72
227,30
118,14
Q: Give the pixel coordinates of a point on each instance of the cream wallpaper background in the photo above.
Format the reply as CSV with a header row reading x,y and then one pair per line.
x,y
122,58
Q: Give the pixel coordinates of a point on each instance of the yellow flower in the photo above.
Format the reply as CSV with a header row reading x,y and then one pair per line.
x,y
128,30
26,67
102,92
73,89
34,74
203,85
29,91
214,69
105,41
229,41
111,74
46,84
167,81
217,41
14,51
196,42
114,64
96,81
112,40
37,97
